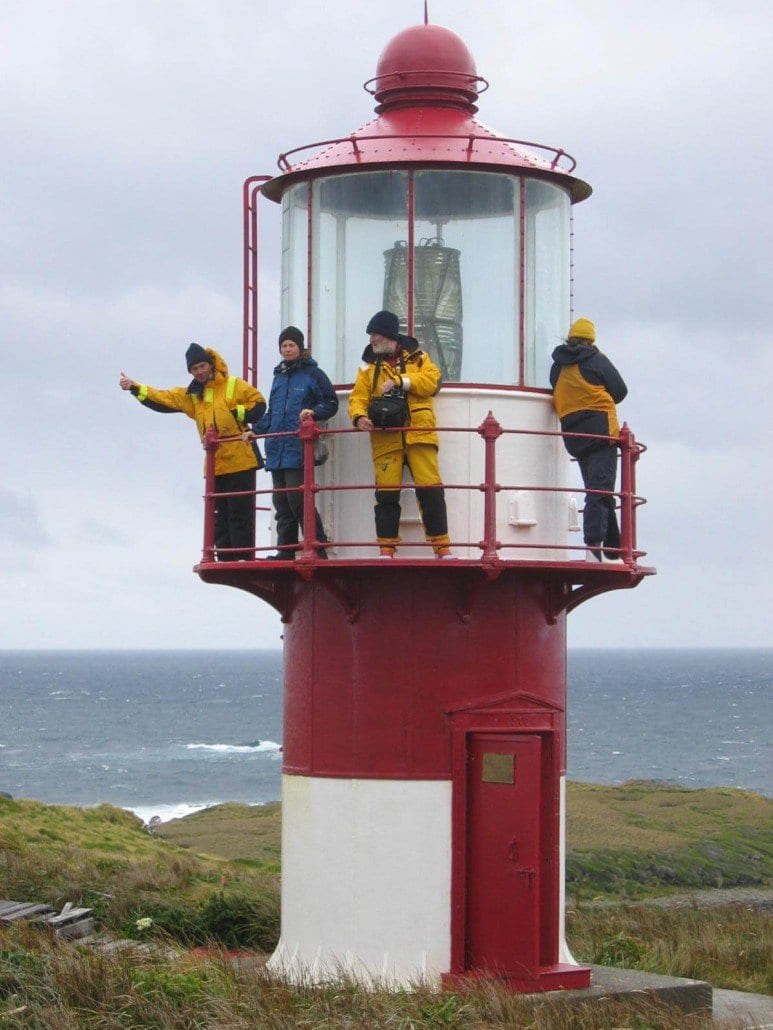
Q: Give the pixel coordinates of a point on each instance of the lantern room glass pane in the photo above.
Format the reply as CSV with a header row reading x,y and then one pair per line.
x,y
356,219
466,274
546,277
295,261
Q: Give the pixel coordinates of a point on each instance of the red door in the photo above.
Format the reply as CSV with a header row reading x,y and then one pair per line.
x,y
503,834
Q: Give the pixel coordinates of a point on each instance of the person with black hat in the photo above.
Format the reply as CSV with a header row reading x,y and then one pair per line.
x,y
586,389
227,404
393,362
300,391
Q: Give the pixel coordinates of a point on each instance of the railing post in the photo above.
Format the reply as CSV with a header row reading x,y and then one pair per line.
x,y
308,431
211,444
627,507
490,430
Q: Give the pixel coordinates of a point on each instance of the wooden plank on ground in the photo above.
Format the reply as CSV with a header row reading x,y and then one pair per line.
x,y
10,911
70,923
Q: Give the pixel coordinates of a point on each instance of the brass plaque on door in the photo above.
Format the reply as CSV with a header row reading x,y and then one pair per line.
x,y
498,768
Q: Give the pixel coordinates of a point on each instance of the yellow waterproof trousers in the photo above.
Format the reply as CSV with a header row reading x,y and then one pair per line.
x,y
422,462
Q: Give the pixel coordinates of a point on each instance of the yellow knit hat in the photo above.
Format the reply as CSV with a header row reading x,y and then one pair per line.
x,y
583,329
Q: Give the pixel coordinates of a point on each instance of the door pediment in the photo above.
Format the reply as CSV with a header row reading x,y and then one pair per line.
x,y
517,703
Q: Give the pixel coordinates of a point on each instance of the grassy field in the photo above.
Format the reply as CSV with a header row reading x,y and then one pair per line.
x,y
642,839
105,859
212,878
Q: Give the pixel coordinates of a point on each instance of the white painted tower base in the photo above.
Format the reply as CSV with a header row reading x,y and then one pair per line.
x,y
564,954
366,881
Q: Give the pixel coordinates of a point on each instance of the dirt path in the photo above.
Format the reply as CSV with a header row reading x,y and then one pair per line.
x,y
757,897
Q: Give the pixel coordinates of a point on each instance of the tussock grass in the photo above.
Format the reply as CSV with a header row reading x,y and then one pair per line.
x,y
47,984
728,946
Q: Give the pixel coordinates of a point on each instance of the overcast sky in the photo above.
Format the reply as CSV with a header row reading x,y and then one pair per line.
x,y
127,131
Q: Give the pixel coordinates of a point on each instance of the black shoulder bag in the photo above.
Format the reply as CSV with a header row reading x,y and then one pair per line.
x,y
389,411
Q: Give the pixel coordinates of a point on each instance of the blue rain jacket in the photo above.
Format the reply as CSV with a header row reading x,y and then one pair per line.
x,y
297,385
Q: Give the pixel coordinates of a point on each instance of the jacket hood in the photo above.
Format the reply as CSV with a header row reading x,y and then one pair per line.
x,y
220,367
304,361
566,355
409,344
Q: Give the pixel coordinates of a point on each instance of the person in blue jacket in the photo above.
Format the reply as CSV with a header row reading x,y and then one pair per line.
x,y
300,390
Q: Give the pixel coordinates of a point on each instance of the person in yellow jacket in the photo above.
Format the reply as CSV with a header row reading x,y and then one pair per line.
x,y
393,361
225,403
586,389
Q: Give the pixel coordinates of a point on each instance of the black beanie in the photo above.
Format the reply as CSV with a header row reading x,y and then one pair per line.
x,y
385,323
292,334
196,353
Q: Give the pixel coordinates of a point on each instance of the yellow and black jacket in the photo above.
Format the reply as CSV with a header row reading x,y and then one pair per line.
x,y
586,388
418,375
225,403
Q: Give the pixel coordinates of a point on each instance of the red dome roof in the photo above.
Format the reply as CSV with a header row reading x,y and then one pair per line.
x,y
426,62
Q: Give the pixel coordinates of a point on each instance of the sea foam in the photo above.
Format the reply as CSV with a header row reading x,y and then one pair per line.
x,y
166,813
237,749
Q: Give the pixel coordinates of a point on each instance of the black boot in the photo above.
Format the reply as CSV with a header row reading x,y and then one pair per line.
x,y
281,556
612,538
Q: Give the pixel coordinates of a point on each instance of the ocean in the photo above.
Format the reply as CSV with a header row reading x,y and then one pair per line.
x,y
167,733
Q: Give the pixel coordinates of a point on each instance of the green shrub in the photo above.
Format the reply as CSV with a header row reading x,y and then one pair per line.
x,y
178,987
622,949
235,920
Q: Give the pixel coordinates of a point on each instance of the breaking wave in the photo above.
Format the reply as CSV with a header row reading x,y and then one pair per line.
x,y
165,813
237,749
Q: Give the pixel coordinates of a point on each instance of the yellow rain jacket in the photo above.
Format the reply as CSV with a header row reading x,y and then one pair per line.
x,y
223,403
422,380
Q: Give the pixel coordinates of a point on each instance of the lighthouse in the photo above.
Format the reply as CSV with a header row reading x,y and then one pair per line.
x,y
423,783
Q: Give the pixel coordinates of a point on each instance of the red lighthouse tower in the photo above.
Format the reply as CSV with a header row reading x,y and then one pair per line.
x,y
425,701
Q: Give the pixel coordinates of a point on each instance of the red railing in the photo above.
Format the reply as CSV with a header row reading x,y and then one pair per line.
x,y
356,141
250,191
490,430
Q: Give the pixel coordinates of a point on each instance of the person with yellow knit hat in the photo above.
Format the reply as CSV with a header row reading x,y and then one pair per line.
x,y
586,389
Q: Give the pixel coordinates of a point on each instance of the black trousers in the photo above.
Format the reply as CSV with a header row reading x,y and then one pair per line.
x,y
235,516
598,466
422,462
289,509
432,508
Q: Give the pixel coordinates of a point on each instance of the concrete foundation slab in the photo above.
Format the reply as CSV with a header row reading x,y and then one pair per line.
x,y
607,983
738,1009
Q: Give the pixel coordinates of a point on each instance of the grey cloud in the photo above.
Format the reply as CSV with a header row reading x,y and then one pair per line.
x,y
20,522
103,533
